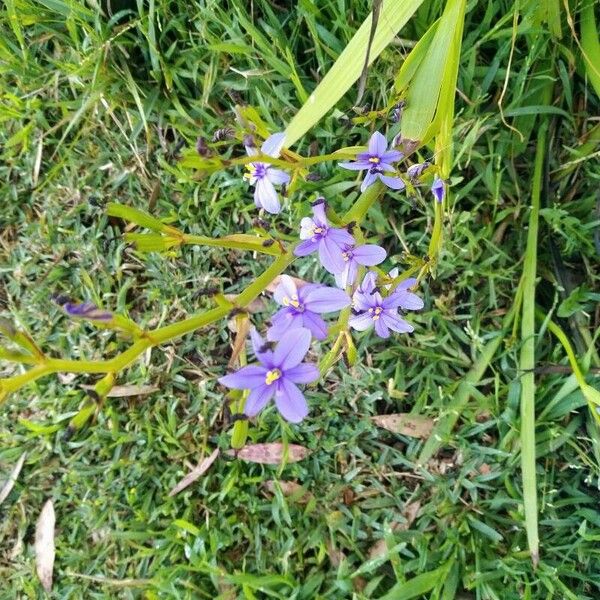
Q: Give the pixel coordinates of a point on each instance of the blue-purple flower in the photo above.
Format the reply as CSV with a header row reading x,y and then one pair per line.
x,y
302,307
83,310
366,255
438,189
415,171
371,309
377,161
408,300
329,241
263,175
276,376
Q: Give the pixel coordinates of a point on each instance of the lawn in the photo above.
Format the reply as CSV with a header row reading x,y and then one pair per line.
x,y
108,106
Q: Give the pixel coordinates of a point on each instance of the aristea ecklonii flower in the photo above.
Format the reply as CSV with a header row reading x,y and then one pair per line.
x,y
377,160
302,307
86,310
262,175
329,241
372,310
277,375
366,255
415,171
438,189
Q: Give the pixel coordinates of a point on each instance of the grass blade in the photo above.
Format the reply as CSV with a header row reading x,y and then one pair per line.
x,y
348,66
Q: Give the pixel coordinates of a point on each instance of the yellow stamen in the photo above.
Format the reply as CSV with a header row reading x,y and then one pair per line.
x,y
272,376
346,256
375,160
318,230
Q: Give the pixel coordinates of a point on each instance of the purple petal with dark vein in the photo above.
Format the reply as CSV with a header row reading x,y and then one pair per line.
x,y
437,189
395,323
290,350
326,299
391,156
330,256
377,144
285,290
340,236
381,329
306,247
246,378
395,183
258,398
403,285
319,214
369,179
303,373
369,255
368,282
315,324
282,325
359,165
273,144
410,301
277,176
361,322
266,196
290,402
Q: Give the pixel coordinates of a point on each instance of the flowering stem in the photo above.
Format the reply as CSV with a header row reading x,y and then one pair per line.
x,y
358,211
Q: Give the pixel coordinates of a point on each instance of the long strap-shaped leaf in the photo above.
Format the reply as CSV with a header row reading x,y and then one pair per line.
x,y
348,67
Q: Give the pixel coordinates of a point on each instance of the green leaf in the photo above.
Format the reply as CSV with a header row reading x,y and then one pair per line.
x,y
347,68
419,585
133,215
590,45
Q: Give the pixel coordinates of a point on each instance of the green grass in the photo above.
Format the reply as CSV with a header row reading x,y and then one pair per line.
x,y
93,108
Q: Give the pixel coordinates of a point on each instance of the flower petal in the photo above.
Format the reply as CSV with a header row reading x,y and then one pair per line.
x,y
285,290
394,183
377,144
395,323
246,378
348,275
361,322
273,144
438,189
305,248
369,179
303,373
290,402
369,254
359,165
258,398
266,196
391,156
330,255
326,299
280,326
277,176
319,214
290,351
410,301
307,226
315,324
381,329
368,283
403,285
340,236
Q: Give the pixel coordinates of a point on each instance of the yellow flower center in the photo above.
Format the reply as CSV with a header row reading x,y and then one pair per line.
x,y
251,171
293,301
346,256
317,230
375,312
272,376
375,160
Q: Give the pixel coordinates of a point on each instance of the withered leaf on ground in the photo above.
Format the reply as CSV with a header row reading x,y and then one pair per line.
x,y
415,426
195,473
271,454
12,478
44,545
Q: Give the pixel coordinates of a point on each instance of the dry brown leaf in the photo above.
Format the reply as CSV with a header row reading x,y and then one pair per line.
x,y
335,556
273,285
125,391
12,478
289,488
195,473
415,426
410,512
242,330
44,545
257,305
270,454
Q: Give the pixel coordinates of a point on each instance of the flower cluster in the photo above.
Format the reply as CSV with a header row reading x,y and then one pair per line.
x,y
280,364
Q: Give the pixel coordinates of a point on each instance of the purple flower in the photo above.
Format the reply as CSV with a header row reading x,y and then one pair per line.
x,y
366,255
262,175
303,306
377,160
277,375
329,241
371,309
415,171
408,300
86,310
438,189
